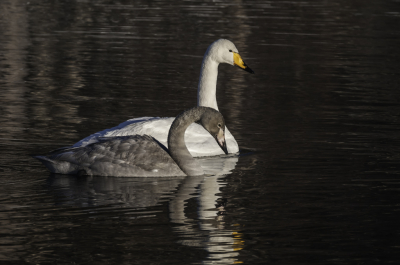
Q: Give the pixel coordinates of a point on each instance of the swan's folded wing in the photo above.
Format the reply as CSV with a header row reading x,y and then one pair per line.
x,y
118,156
140,126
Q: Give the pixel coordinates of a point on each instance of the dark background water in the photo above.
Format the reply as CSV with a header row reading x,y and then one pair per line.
x,y
318,181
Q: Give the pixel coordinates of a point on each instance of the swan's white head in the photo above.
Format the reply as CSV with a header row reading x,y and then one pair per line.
x,y
220,51
224,51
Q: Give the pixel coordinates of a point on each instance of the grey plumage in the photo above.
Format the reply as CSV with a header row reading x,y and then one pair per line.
x,y
137,155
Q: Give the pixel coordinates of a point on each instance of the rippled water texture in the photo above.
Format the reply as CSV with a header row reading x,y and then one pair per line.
x,y
317,181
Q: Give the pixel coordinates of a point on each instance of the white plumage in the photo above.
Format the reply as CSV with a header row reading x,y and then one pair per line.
x,y
198,141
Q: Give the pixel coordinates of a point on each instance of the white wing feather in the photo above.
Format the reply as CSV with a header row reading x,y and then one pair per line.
x,y
197,139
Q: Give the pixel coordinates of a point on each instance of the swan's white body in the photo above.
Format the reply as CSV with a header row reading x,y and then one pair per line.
x,y
198,140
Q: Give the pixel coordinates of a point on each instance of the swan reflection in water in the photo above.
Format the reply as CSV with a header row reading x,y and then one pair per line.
x,y
206,231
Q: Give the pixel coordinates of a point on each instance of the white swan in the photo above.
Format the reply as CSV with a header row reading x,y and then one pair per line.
x,y
140,156
198,141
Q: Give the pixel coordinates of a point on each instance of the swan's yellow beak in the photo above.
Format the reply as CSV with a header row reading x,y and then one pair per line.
x,y
237,60
220,138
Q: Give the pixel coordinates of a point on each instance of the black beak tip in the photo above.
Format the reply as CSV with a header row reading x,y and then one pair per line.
x,y
225,149
249,70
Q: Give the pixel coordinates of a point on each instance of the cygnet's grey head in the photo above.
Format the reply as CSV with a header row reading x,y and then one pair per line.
x,y
213,121
224,51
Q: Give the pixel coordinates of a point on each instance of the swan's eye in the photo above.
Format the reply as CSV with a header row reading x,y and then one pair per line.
x,y
219,125
230,50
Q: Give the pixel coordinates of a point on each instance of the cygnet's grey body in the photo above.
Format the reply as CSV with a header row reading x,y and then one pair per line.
x,y
140,155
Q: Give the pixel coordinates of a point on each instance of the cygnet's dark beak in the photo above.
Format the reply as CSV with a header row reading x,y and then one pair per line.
x,y
237,60
220,138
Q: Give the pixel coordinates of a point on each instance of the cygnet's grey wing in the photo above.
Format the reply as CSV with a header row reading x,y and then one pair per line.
x,y
119,156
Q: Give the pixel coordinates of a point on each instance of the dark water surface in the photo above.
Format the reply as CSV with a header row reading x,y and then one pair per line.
x,y
318,181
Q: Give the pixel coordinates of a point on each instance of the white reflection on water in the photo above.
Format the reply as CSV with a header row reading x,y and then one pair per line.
x,y
206,231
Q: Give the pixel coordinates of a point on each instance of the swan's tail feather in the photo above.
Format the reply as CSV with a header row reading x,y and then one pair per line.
x,y
60,167
44,159
50,164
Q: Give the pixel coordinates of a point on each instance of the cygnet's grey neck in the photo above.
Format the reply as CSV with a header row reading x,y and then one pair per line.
x,y
207,87
176,142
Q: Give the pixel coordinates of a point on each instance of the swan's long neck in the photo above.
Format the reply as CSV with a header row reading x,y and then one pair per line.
x,y
176,142
206,90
